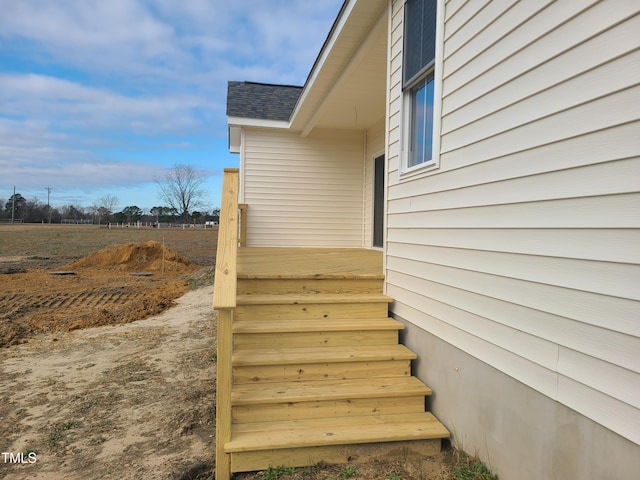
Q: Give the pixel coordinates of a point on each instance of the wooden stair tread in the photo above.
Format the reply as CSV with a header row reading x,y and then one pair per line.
x,y
334,431
284,356
310,325
324,390
311,276
315,298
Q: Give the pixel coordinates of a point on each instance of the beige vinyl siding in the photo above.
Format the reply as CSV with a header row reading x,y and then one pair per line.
x,y
303,191
395,94
523,247
375,147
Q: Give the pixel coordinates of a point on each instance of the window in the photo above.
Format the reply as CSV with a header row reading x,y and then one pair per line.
x,y
419,37
418,79
421,141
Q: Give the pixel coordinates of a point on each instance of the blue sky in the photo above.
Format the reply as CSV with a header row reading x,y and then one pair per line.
x,y
99,97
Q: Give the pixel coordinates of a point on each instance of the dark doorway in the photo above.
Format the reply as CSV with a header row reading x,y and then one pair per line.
x,y
378,201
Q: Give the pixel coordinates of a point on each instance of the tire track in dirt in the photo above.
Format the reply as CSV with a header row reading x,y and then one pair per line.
x,y
93,299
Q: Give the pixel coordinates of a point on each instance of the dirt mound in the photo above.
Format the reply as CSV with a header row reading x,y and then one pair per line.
x,y
149,256
102,291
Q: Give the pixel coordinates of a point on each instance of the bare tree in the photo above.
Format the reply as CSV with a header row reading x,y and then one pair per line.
x,y
105,207
181,188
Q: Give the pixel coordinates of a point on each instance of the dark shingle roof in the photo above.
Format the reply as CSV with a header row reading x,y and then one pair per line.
x,y
261,100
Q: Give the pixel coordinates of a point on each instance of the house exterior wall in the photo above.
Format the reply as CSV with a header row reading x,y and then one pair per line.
x,y
522,248
303,191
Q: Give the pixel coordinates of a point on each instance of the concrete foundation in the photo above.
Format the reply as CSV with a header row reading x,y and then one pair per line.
x,y
518,432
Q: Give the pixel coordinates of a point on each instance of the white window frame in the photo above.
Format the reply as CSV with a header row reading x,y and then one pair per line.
x,y
434,68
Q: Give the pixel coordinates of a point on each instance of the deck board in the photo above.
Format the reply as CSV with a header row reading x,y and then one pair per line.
x,y
328,390
304,356
281,262
294,299
342,430
324,325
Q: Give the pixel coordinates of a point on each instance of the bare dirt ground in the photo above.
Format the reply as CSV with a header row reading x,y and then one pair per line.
x,y
130,399
133,401
116,284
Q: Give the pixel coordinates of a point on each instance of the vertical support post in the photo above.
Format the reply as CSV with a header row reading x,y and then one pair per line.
x,y
223,393
224,302
243,224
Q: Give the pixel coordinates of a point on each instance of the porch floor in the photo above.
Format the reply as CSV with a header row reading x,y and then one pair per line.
x,y
299,262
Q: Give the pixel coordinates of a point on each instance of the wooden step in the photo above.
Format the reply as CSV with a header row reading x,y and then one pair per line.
x,y
328,390
320,371
308,286
321,298
317,310
314,339
320,363
327,408
337,431
327,399
258,325
299,356
326,332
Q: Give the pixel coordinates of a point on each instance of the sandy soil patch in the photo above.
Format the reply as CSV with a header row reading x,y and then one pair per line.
x,y
133,401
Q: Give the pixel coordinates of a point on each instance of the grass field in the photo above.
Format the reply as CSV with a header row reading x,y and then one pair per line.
x,y
53,245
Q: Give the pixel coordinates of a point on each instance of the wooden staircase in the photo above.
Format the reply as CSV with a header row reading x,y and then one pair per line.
x,y
317,373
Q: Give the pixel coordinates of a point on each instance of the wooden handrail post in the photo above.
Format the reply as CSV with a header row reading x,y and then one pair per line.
x,y
225,282
224,301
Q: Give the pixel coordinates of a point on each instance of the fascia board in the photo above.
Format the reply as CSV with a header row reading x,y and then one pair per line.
x,y
257,122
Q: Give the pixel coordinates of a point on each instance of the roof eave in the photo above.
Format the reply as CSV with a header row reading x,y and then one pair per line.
x,y
301,117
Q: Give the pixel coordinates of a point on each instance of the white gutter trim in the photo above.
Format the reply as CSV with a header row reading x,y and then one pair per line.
x,y
257,122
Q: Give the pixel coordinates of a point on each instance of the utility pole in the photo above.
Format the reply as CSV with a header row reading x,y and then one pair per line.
x,y
13,205
48,205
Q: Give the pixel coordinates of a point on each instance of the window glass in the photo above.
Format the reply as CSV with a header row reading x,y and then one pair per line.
x,y
419,36
421,122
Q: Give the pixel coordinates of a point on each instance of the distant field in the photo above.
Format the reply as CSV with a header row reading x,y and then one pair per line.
x,y
100,290
58,244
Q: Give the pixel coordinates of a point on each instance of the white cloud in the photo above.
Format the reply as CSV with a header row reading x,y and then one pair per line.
x,y
30,154
75,31
74,105
162,40
82,78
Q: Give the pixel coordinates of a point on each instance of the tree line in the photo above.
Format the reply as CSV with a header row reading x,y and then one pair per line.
x,y
180,189
101,213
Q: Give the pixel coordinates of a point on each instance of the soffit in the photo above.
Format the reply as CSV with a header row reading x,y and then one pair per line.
x,y
346,88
